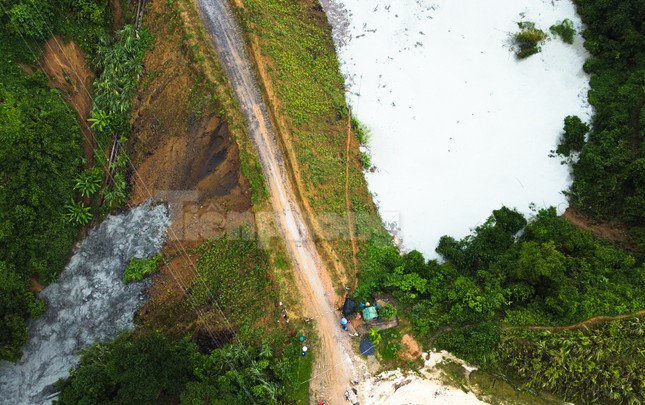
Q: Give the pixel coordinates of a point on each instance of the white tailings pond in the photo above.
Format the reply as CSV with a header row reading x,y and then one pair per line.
x,y
88,304
458,125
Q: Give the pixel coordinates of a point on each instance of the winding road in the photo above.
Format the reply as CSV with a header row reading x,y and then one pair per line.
x,y
336,364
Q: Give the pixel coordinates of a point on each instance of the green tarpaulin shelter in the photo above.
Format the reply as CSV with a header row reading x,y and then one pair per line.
x,y
370,313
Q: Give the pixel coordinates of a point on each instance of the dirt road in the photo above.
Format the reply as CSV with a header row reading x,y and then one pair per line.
x,y
336,363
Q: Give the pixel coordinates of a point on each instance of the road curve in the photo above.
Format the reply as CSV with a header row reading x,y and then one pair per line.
x,y
334,357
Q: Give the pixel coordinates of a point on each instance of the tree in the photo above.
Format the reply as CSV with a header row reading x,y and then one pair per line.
x,y
31,18
573,138
40,155
131,370
16,304
564,30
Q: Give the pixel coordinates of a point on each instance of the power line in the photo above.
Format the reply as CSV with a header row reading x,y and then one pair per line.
x,y
196,309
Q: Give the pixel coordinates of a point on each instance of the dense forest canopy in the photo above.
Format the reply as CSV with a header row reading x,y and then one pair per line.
x,y
151,368
609,177
509,273
84,21
40,154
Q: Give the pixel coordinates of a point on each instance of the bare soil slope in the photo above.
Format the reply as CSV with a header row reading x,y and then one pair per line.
x,y
66,66
183,154
181,148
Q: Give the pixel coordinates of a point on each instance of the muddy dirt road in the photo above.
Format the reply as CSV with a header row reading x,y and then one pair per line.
x,y
336,363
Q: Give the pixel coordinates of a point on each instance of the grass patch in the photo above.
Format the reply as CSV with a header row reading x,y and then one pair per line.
x,y
138,269
455,374
233,276
297,374
293,40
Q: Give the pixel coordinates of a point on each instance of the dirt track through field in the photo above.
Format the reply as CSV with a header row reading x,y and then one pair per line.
x,y
335,361
584,324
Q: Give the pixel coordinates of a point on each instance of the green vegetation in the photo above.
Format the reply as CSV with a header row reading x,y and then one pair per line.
x,y
366,160
88,182
573,137
564,30
361,131
249,356
387,311
152,367
609,176
39,158
293,40
77,213
138,269
375,336
119,62
233,280
44,195
131,370
17,303
83,21
389,345
528,39
233,272
599,364
551,274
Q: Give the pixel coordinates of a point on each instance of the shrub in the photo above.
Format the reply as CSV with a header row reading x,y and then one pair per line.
x,y
387,311
137,269
573,138
528,40
361,131
564,30
375,336
77,213
366,160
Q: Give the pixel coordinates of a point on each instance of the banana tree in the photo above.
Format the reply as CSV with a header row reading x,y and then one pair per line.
x,y
100,120
88,182
77,213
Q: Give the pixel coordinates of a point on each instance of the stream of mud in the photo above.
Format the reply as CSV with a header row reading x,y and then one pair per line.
x,y
88,304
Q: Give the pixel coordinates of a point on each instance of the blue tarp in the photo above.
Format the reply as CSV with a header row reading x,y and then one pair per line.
x,y
367,347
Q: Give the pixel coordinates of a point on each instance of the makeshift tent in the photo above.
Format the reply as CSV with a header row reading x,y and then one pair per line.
x,y
349,307
370,313
366,346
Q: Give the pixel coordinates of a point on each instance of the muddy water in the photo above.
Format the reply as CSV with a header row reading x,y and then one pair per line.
x,y
88,304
